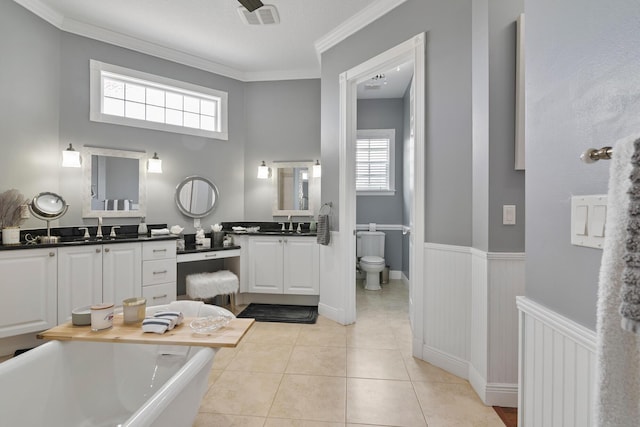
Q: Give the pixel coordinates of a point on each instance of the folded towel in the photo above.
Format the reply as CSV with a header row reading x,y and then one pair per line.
x,y
160,232
617,384
176,317
156,325
324,234
117,204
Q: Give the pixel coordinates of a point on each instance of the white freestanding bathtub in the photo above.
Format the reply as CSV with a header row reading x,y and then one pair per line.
x,y
75,383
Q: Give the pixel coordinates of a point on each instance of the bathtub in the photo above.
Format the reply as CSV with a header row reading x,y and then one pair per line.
x,y
71,383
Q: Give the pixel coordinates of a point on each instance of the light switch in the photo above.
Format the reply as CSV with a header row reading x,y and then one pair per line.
x,y
580,220
598,219
508,214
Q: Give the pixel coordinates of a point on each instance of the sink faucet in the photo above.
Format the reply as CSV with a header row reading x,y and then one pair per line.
x,y
99,232
290,223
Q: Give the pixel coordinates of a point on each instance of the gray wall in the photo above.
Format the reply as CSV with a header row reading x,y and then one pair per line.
x,y
283,123
583,90
29,84
384,114
45,85
182,155
448,100
495,182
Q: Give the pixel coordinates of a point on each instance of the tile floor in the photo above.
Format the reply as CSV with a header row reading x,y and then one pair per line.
x,y
293,375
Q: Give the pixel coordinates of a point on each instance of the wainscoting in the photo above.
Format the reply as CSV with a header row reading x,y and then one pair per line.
x,y
557,368
471,317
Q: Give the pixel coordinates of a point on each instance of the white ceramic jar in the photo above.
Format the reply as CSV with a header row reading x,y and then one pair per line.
x,y
101,316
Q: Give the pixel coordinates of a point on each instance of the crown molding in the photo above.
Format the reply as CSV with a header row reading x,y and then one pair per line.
x,y
355,24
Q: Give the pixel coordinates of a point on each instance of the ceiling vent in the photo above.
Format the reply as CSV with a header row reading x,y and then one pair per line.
x,y
266,15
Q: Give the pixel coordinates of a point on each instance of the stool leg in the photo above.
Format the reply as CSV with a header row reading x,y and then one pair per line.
x,y
232,301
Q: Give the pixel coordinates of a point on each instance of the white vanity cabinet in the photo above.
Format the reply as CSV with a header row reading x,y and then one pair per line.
x,y
28,290
283,265
97,273
159,272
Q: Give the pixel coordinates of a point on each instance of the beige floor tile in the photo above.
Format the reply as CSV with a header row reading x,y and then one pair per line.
x,y
454,405
205,419
214,374
375,363
383,339
419,370
258,357
314,398
273,333
323,336
242,393
383,402
324,321
223,357
309,360
282,422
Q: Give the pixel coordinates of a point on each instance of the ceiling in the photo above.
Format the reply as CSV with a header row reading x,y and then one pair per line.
x,y
210,34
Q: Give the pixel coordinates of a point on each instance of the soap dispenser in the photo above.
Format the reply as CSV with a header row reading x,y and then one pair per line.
x,y
142,227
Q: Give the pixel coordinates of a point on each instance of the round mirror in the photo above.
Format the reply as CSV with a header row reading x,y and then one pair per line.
x,y
196,196
48,206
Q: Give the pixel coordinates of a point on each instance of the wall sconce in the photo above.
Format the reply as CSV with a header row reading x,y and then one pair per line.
x,y
264,171
155,164
70,158
317,169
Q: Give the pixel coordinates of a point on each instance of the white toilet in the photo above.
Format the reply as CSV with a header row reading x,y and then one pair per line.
x,y
370,253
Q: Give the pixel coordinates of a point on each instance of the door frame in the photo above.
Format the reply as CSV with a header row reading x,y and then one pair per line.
x,y
410,50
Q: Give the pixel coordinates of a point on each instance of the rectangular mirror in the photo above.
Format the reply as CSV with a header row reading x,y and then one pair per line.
x,y
294,186
114,183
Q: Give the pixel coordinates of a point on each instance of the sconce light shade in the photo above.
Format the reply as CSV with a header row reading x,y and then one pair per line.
x,y
263,171
317,170
155,164
70,158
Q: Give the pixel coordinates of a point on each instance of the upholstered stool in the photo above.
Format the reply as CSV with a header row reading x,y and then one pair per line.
x,y
202,286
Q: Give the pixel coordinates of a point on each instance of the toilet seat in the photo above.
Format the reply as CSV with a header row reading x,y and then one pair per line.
x,y
372,260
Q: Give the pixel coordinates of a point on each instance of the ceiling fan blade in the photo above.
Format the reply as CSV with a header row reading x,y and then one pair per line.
x,y
251,5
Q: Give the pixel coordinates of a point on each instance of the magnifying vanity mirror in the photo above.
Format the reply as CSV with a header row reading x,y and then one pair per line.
x,y
114,183
196,196
48,206
294,186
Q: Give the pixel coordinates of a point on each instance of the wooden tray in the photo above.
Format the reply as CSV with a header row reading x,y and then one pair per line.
x,y
228,336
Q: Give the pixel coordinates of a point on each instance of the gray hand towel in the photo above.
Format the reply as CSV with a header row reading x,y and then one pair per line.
x,y
324,235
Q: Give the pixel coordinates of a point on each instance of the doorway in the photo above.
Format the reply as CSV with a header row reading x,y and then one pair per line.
x,y
411,51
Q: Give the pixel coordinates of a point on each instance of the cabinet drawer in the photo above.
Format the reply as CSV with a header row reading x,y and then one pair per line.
x,y
158,271
159,250
160,294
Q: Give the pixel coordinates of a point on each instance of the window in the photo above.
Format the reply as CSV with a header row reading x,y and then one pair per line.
x,y
133,98
375,162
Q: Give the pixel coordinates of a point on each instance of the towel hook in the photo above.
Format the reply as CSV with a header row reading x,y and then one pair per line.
x,y
592,155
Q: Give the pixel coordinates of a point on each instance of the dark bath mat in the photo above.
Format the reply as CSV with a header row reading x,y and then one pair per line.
x,y
281,313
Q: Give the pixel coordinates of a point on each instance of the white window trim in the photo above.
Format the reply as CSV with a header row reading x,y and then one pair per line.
x,y
389,134
96,100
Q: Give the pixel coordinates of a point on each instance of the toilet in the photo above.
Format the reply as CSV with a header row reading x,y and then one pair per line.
x,y
370,253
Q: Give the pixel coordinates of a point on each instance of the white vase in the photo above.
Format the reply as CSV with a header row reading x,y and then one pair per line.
x,y
11,236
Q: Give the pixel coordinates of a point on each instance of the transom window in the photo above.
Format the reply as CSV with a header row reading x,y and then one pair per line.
x,y
132,98
375,162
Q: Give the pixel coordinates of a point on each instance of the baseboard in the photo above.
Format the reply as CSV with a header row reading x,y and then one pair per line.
x,y
395,274
449,363
405,279
332,313
493,394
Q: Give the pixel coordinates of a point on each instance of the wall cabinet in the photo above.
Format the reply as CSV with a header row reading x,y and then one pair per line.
x,y
28,289
98,273
283,265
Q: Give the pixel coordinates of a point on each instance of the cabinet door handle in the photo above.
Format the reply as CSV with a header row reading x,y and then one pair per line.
x,y
159,250
97,251
160,296
52,254
211,255
279,240
285,240
160,272
106,249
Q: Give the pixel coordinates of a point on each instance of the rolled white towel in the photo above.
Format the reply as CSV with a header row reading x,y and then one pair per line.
x,y
176,317
155,325
160,232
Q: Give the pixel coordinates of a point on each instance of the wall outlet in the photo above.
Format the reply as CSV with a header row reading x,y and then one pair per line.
x,y
196,223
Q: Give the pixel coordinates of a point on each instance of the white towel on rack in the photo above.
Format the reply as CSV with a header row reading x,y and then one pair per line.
x,y
617,387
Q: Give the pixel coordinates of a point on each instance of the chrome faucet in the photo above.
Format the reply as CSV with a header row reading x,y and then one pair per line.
x,y
99,232
290,223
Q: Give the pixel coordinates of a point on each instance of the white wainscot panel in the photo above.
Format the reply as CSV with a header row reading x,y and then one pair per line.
x,y
557,369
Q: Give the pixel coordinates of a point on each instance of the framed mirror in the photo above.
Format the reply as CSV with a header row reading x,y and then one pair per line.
x,y
196,196
114,183
294,185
